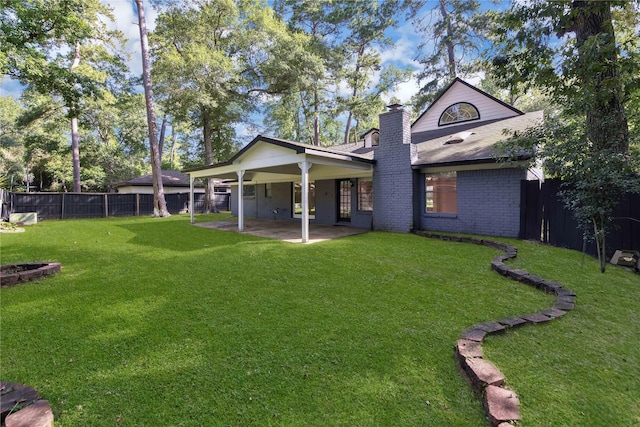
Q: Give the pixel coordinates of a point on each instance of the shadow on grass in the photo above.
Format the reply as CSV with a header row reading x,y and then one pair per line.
x,y
182,236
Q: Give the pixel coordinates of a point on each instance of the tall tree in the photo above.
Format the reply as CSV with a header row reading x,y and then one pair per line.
x,y
216,61
452,40
367,23
571,50
300,113
41,44
12,165
159,203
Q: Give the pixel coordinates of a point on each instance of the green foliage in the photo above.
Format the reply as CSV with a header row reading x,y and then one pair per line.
x,y
453,33
38,38
591,77
12,161
345,38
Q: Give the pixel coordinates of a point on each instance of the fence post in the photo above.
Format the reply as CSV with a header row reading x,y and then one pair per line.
x,y
62,207
137,204
106,206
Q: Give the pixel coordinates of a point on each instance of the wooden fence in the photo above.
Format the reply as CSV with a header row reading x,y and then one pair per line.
x,y
99,205
543,217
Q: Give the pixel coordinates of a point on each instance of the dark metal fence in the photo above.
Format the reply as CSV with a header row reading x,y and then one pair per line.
x,y
543,217
98,205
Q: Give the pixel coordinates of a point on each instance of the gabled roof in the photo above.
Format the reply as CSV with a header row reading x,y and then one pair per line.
x,y
477,147
492,108
297,147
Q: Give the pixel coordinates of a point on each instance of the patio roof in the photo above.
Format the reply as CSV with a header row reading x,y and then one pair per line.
x,y
267,160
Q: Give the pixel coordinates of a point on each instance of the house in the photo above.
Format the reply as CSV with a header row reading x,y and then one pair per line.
x,y
440,173
172,182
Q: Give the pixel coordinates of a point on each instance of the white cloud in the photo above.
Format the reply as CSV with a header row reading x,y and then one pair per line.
x,y
403,51
404,91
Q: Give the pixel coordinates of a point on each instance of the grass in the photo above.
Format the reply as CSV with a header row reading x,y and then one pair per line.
x,y
157,322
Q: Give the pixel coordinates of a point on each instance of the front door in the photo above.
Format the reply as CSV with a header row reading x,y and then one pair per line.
x,y
344,200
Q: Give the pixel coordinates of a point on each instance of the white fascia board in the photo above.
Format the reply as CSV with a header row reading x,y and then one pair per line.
x,y
481,166
342,163
214,171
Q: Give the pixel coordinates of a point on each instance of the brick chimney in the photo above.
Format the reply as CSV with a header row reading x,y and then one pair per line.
x,y
393,178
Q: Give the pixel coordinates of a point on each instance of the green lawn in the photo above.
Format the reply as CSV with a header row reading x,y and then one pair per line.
x,y
159,323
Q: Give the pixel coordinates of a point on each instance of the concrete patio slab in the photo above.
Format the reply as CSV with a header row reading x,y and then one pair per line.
x,y
286,231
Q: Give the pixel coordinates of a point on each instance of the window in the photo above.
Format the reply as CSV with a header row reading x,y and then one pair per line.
x,y
297,200
248,191
441,192
460,112
365,195
375,139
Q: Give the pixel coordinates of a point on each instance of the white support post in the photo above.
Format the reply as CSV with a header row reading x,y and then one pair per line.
x,y
240,200
304,167
191,204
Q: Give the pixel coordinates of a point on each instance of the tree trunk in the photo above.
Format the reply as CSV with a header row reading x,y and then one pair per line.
x,y
75,154
600,237
451,57
347,128
75,138
316,119
159,203
353,94
172,152
607,124
209,195
163,129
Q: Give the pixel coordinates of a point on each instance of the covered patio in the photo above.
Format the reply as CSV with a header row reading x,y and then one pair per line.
x,y
286,231
268,160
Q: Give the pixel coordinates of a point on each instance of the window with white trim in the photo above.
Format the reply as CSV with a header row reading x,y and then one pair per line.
x,y
457,113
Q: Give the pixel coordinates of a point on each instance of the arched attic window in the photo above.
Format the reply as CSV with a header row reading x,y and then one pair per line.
x,y
375,139
457,113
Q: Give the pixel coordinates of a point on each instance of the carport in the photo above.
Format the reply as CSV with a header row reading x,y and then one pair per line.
x,y
273,160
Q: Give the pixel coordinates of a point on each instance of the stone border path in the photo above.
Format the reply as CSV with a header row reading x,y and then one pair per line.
x,y
501,404
13,274
21,406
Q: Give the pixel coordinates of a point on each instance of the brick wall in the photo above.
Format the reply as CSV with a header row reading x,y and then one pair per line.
x,y
393,177
488,204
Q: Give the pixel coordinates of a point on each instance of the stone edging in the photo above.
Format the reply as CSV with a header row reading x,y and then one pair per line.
x,y
13,274
501,404
21,406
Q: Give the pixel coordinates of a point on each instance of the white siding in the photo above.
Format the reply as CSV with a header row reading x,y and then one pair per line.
x,y
489,109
